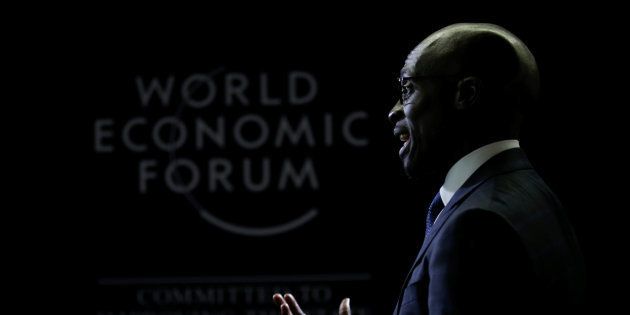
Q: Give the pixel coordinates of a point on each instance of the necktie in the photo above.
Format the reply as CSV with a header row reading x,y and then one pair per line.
x,y
434,209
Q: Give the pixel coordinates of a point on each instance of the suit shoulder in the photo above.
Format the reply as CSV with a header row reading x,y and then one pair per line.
x,y
515,196
475,220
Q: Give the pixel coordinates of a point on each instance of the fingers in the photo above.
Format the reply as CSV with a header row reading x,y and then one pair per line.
x,y
344,307
284,310
289,306
284,307
278,299
293,304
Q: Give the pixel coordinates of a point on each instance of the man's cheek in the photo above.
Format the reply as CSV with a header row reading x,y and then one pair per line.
x,y
407,110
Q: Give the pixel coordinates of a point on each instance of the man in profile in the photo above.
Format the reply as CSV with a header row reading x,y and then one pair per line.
x,y
497,240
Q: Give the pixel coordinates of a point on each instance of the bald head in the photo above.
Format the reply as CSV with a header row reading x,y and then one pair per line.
x,y
462,87
488,52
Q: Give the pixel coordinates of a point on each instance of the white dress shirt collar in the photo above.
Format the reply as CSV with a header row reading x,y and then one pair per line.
x,y
466,166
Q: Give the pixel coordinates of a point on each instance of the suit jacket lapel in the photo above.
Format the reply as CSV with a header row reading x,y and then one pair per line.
x,y
504,162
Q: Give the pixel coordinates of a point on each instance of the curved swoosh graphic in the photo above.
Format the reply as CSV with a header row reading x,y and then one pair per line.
x,y
258,231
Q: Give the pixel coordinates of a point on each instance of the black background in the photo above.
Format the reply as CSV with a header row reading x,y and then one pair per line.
x,y
371,220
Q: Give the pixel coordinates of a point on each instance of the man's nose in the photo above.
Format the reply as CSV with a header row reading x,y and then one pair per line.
x,y
396,113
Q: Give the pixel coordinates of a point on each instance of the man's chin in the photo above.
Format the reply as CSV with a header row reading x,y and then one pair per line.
x,y
411,169
419,170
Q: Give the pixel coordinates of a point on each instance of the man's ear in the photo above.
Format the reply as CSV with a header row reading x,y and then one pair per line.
x,y
468,92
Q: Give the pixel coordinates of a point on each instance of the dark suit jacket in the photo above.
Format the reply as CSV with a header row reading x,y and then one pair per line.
x,y
503,245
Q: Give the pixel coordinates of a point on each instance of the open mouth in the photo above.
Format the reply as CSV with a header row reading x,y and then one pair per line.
x,y
404,137
402,133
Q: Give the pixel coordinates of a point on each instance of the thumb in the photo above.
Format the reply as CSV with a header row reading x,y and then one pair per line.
x,y
344,308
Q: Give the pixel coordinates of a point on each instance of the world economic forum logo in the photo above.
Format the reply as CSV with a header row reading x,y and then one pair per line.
x,y
208,136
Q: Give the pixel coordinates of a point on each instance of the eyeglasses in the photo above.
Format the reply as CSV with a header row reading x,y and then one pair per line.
x,y
406,90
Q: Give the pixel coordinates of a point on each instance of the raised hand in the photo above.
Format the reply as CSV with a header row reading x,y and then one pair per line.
x,y
289,306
